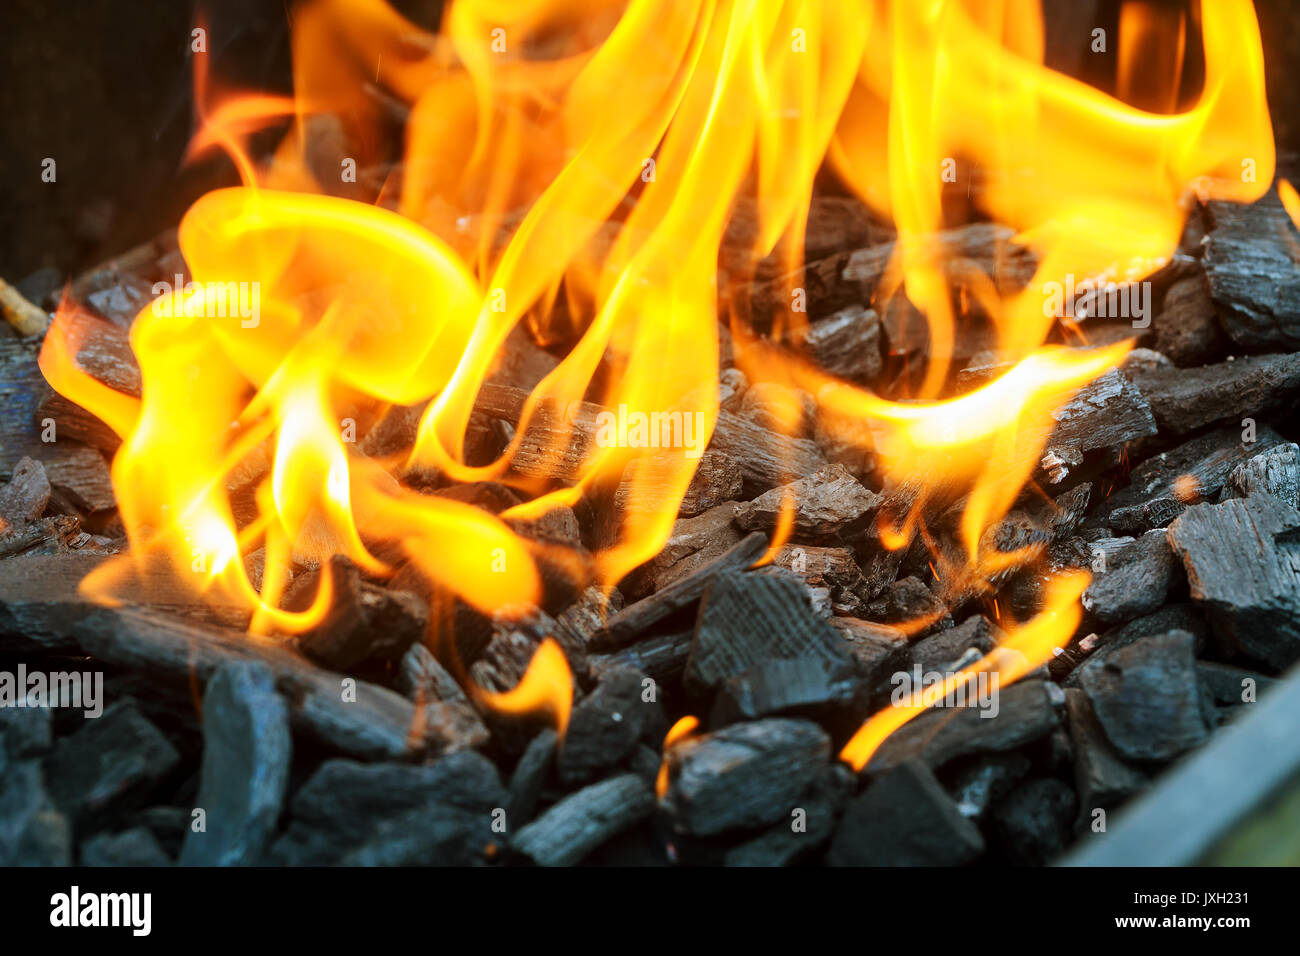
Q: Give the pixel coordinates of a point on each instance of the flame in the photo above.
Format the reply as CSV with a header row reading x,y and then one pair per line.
x,y
545,688
573,165
679,731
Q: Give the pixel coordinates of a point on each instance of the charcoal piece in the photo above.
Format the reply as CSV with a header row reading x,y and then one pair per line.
x,y
1104,414
1146,697
134,847
487,495
530,776
246,750
779,408
745,618
938,651
732,385
662,658
24,317
765,458
770,687
111,764
1096,647
742,776
978,787
1024,713
1186,399
24,498
168,824
560,436
363,622
575,626
420,674
1102,777
431,835
59,534
1187,328
1250,262
559,525
716,481
845,440
692,544
32,831
1276,472
833,568
1136,586
811,824
1147,516
513,645
582,821
1243,566
825,504
904,819
26,731
623,627
344,803
835,223
911,606
879,651
1229,686
606,725
520,361
845,344
1033,824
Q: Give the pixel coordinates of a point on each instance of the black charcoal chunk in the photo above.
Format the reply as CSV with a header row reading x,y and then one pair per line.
x,y
1187,328
803,686
976,788
661,658
606,726
828,503
1185,399
938,651
910,604
811,823
1033,823
435,834
1275,472
582,821
1136,586
33,832
1229,686
135,847
530,776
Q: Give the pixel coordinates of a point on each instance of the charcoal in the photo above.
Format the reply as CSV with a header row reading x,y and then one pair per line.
x,y
845,344
344,803
451,722
420,675
60,534
25,318
1102,777
834,223
938,651
742,776
364,622
693,543
779,408
1135,586
246,750
1033,824
24,499
765,458
879,651
1148,516
732,385
26,731
747,618
559,525
804,686
845,440
716,481
1229,686
833,568
1104,414
111,764
622,628
1171,617
904,819
32,831
1025,713
662,658
1186,399
911,606
1250,262
434,834
582,821
520,361
978,787
530,776
1187,328
1242,566
606,725
168,824
811,824
826,504
1146,697
560,438
1276,472
578,623
134,847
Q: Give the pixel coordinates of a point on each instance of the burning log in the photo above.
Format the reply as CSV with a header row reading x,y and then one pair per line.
x,y
1185,399
582,821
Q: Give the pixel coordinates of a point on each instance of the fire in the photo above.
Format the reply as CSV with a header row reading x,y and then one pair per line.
x,y
573,165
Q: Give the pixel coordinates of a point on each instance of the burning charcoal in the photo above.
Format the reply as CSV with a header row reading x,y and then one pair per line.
x,y
661,658
1185,399
420,674
582,821
845,344
1171,617
826,504
938,651
1148,516
832,568
363,622
521,362
451,721
558,525
1033,824
693,543
560,438
344,804
246,751
121,302
804,686
507,656
45,536
765,458
1187,328
530,776
24,499
1276,471
810,825
845,440
1102,777
1024,713
880,651
110,764
834,223
732,385
1104,414
909,602
575,627
32,831
1250,261
623,627
745,775
1230,686
606,726
715,482
779,408
904,819
1146,697
746,618
978,787
1241,561
134,847
1136,586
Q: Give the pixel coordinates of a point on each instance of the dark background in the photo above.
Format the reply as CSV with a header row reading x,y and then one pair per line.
x,y
103,87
